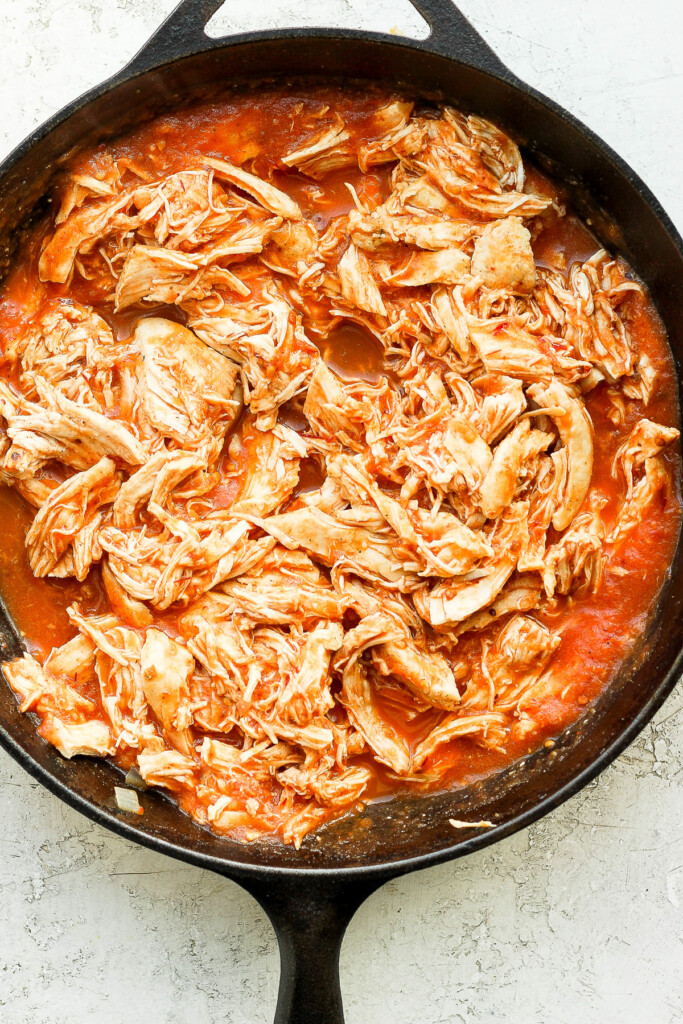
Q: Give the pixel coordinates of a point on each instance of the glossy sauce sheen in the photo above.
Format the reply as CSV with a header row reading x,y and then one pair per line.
x,y
598,630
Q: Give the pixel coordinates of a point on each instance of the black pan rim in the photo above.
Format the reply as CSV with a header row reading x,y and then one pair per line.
x,y
386,869
416,47
379,871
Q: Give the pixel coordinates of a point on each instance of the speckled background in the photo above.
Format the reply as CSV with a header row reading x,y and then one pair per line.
x,y
576,919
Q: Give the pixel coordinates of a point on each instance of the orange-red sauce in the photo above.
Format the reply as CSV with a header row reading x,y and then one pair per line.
x,y
598,631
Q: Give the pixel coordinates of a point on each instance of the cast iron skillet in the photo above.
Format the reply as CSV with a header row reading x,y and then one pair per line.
x,y
311,895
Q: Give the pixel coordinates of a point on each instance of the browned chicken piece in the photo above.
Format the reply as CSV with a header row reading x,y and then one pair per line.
x,y
640,461
39,689
186,210
190,211
168,768
331,788
502,401
79,187
521,444
577,561
447,546
489,727
68,721
275,356
451,601
180,561
218,643
502,256
522,593
306,696
271,198
183,210
33,490
262,760
576,433
328,150
446,266
442,445
434,147
74,661
189,392
69,345
395,653
60,429
640,386
546,497
389,746
373,554
270,471
506,347
293,249
313,736
358,285
371,231
159,275
655,480
153,482
165,669
89,739
63,538
282,597
80,232
513,667
95,627
426,673
387,123
523,641
596,329
121,692
71,423
646,440
349,411
450,323
498,151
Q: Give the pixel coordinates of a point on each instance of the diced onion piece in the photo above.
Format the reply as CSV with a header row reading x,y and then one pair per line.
x,y
127,800
469,824
134,779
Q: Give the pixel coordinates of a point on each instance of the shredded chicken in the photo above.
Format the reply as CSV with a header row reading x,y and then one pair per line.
x,y
318,577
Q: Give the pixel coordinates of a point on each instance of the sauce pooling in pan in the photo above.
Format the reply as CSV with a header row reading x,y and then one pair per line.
x,y
337,457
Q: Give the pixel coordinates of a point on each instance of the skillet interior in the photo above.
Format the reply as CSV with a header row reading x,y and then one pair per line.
x,y
389,832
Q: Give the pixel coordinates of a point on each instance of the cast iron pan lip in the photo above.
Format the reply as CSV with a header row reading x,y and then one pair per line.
x,y
381,870
387,868
417,48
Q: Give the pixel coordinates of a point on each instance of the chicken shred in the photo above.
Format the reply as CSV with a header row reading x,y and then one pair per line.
x,y
272,648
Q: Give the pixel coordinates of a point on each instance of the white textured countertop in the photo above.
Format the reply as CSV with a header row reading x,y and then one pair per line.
x,y
578,918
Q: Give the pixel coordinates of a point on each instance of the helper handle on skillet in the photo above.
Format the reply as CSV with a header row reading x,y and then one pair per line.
x,y
310,915
183,33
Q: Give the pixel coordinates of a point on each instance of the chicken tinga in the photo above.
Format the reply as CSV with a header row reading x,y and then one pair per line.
x,y
337,457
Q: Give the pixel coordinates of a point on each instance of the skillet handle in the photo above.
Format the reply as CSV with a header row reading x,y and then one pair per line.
x,y
183,33
310,915
454,36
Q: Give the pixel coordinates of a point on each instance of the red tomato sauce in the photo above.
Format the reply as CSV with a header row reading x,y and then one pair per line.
x,y
598,631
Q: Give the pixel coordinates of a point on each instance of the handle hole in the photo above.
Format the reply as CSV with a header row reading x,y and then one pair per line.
x,y
399,19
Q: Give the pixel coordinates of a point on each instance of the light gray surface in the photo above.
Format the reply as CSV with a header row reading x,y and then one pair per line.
x,y
576,919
